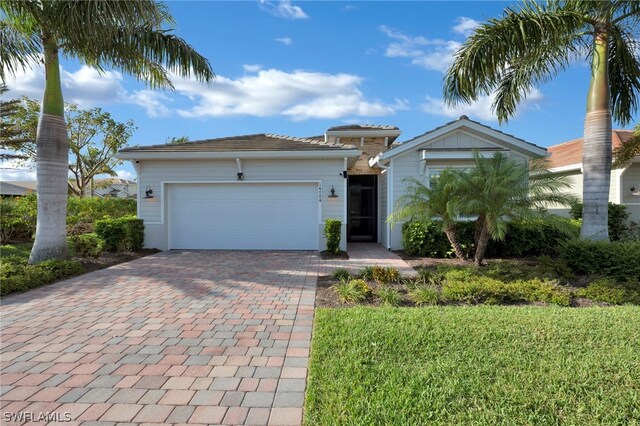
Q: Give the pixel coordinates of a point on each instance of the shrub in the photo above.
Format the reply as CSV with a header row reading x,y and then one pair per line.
x,y
618,216
610,291
121,234
332,232
16,277
17,219
389,296
427,238
341,274
619,259
353,291
366,273
84,212
425,295
87,245
478,289
383,275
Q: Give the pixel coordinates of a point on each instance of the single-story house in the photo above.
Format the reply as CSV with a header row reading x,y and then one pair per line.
x,y
267,191
566,159
17,188
113,187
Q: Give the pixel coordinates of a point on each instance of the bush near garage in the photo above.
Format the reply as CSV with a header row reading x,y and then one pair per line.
x,y
121,234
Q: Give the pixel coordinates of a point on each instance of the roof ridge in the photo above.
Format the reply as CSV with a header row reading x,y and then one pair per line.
x,y
306,140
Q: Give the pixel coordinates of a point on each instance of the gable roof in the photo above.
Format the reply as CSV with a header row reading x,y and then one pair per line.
x,y
255,142
464,122
362,127
570,153
15,187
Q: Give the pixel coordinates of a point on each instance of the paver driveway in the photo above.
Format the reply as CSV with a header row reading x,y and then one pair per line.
x,y
180,337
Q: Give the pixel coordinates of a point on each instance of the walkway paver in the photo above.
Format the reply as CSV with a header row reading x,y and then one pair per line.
x,y
366,254
178,337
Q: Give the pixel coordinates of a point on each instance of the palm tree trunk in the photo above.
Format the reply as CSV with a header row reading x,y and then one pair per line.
x,y
483,243
455,244
52,157
596,156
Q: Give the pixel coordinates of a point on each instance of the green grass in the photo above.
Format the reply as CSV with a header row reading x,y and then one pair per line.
x,y
475,366
16,253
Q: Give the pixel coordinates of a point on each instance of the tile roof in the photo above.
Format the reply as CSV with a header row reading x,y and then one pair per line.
x,y
570,152
363,127
256,142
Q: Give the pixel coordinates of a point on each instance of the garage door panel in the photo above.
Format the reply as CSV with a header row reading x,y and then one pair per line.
x,y
243,216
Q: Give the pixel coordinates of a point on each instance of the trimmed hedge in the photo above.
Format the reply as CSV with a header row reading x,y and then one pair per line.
x,y
122,234
530,238
618,259
87,245
618,215
332,232
15,277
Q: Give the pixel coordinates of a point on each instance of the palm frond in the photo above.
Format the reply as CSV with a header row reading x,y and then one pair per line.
x,y
624,74
18,50
629,149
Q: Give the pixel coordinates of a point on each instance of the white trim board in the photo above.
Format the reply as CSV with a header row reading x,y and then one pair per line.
x,y
232,155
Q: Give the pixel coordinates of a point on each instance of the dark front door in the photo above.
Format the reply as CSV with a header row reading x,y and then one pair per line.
x,y
362,207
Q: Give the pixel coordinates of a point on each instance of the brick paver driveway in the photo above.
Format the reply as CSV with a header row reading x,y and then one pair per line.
x,y
181,337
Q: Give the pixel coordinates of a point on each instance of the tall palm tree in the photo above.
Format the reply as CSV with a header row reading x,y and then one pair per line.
x,y
437,199
133,36
534,42
499,190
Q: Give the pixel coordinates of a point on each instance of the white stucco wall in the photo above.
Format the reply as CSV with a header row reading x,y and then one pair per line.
x,y
156,174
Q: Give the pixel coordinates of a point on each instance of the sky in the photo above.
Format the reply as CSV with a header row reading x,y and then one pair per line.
x,y
297,68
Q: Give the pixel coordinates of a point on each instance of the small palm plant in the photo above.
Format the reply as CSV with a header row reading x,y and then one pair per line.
x,y
437,199
499,190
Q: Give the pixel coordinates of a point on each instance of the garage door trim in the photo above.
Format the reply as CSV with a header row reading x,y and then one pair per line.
x,y
164,203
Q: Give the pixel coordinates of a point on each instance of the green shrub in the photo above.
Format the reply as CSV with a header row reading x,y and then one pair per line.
x,y
15,277
618,216
383,275
471,288
528,238
389,296
425,295
610,291
87,245
341,274
366,273
17,219
332,233
618,259
121,234
354,291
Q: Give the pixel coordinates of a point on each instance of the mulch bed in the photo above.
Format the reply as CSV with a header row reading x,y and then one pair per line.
x,y
327,255
107,259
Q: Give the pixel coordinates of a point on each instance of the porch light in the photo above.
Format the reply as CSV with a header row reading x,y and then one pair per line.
x,y
635,191
147,192
333,193
240,176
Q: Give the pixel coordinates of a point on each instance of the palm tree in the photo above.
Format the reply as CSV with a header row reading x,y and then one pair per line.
x,y
534,42
498,190
436,200
629,149
132,36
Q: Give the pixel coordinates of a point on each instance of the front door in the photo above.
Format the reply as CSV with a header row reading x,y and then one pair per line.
x,y
362,207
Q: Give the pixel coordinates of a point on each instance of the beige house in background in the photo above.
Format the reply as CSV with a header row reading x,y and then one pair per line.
x,y
566,159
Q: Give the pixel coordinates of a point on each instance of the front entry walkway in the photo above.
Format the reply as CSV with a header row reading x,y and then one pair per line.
x,y
366,254
179,337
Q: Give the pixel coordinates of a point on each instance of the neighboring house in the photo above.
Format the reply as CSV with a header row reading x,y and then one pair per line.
x,y
268,191
113,187
566,159
17,188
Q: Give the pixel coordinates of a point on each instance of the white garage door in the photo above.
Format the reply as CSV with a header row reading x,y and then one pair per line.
x,y
243,216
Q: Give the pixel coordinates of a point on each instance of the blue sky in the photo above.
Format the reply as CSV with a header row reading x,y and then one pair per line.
x,y
299,68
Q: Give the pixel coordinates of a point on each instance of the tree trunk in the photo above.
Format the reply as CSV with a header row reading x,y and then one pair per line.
x,y
596,156
52,157
455,244
483,242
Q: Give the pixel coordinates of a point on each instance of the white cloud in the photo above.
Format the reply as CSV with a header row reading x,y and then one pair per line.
x,y
16,170
465,26
155,103
431,54
480,109
287,41
126,174
252,67
348,8
298,95
283,9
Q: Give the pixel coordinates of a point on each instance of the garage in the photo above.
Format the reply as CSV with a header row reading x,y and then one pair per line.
x,y
243,215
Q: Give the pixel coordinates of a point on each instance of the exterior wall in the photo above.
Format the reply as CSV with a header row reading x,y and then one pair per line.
x,y
575,179
371,147
460,139
631,178
382,209
154,172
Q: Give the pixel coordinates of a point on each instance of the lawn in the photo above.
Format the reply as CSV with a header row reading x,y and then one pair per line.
x,y
475,365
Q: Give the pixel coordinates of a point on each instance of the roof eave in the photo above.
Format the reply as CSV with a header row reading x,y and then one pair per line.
x,y
194,155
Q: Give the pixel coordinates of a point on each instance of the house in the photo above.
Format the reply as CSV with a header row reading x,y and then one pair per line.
x,y
267,191
566,159
113,187
17,188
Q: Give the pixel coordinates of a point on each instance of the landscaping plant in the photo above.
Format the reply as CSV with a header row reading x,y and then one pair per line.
x,y
333,233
